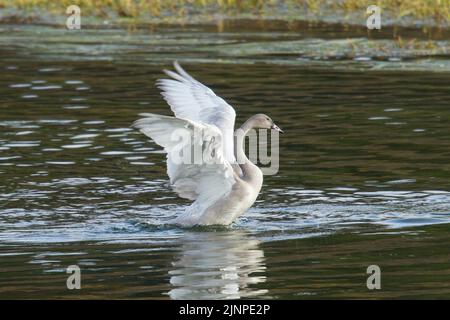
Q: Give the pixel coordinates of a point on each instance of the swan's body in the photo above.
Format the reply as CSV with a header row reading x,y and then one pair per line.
x,y
224,183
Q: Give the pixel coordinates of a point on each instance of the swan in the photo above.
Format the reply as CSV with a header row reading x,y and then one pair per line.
x,y
223,183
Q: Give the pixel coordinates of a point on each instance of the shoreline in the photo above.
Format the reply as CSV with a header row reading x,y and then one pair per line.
x,y
285,18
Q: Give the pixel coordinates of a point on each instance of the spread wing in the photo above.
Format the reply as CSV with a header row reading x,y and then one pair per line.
x,y
208,175
189,99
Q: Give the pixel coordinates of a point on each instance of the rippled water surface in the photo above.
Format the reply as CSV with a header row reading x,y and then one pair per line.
x,y
364,168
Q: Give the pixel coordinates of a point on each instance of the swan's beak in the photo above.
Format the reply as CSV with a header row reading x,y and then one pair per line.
x,y
276,128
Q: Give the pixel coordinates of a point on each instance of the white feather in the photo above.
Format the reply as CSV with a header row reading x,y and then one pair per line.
x,y
205,182
190,99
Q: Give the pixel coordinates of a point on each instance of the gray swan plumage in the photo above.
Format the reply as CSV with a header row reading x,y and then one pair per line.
x,y
223,183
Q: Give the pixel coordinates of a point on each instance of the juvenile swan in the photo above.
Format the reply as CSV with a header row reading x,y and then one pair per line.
x,y
223,182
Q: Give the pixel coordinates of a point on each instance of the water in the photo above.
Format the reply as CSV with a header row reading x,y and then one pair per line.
x,y
364,169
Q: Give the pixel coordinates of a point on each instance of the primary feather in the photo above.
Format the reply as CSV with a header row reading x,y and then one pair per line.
x,y
206,179
189,99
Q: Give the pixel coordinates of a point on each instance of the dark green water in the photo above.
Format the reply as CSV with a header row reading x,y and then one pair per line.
x,y
363,180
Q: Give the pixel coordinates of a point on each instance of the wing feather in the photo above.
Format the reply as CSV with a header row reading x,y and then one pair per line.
x,y
190,99
212,177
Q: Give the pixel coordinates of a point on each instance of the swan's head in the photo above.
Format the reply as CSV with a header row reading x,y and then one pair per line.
x,y
262,121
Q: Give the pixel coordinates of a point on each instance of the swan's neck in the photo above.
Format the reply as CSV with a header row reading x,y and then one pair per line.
x,y
249,170
240,134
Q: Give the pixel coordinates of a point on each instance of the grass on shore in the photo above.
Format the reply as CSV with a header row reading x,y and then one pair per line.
x,y
435,10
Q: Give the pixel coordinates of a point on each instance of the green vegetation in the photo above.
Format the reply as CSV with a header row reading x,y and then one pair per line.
x,y
437,11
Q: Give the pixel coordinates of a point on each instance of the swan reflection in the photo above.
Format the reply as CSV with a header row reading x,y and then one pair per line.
x,y
218,265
